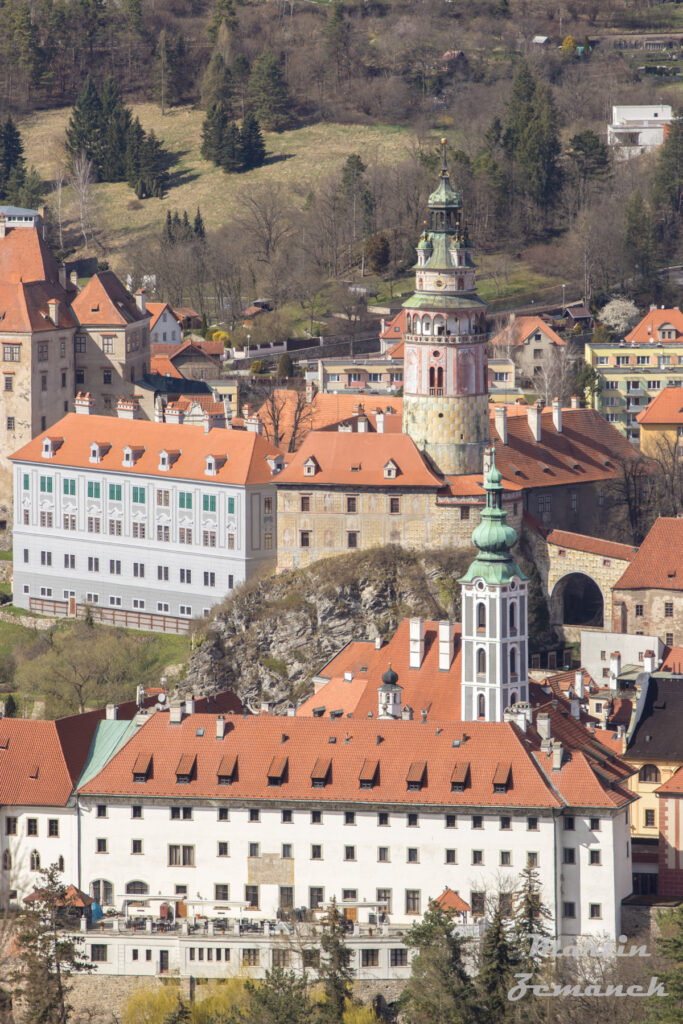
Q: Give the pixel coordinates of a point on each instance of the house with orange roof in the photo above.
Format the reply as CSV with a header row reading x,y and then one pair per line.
x,y
112,340
648,597
530,341
661,426
164,325
94,491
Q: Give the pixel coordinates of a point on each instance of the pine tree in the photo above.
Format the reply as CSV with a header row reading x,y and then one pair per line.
x,y
168,62
239,72
198,229
337,34
496,972
213,131
529,919
116,118
84,131
135,137
216,84
268,93
438,990
519,109
252,146
667,192
281,998
230,154
639,242
538,152
335,971
12,166
223,12
49,957
169,235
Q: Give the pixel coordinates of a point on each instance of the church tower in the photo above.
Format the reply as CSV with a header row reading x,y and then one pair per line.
x,y
494,616
445,386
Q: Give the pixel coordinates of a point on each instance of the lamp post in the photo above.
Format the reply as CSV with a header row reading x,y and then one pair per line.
x,y
563,291
248,340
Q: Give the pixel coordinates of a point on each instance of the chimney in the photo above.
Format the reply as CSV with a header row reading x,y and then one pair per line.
x,y
362,422
207,418
501,415
112,712
417,642
575,402
227,409
220,727
578,684
128,408
189,705
141,300
379,422
446,645
310,391
175,716
83,403
614,669
53,311
61,272
543,725
73,278
534,417
253,425
649,662
575,708
378,643
557,414
520,714
3,225
557,756
423,713
407,713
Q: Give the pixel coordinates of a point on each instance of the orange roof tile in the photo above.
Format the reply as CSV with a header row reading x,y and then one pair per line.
x,y
450,900
396,326
210,349
105,302
396,351
658,564
516,333
247,452
24,307
673,786
591,545
164,367
183,403
647,329
359,460
41,761
673,660
24,256
666,408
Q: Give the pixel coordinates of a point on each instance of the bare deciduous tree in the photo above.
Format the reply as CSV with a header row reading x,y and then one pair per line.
x,y
82,179
554,377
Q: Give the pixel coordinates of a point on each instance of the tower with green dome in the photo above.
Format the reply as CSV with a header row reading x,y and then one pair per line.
x,y
445,384
494,616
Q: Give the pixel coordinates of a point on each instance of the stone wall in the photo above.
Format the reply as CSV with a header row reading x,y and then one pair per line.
x,y
653,619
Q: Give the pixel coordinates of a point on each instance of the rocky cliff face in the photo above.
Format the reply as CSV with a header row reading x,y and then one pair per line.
x,y
271,637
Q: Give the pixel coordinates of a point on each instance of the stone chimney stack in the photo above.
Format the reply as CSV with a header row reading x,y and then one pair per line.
x,y
578,684
575,402
53,311
128,408
649,662
141,300
501,415
543,725
220,727
534,417
417,642
446,645
175,713
379,422
557,414
575,708
84,404
3,225
112,712
557,756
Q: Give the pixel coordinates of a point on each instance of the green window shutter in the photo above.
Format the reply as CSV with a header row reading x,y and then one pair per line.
x,y
231,506
209,502
139,495
205,502
49,485
115,492
185,499
26,481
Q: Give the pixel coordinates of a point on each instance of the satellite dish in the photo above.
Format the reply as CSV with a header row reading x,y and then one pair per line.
x,y
162,698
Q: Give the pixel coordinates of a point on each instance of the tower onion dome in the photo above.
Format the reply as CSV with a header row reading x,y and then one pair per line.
x,y
444,194
389,679
425,242
494,538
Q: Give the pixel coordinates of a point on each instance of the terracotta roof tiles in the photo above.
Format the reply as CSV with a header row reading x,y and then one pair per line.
x,y
359,460
516,333
665,409
658,563
105,302
646,330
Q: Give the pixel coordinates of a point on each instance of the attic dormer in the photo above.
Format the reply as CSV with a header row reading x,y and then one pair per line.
x,y
131,454
98,449
51,446
211,466
276,463
311,466
390,470
167,459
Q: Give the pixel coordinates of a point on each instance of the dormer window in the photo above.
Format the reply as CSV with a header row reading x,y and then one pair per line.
x,y
142,769
163,460
501,777
417,773
227,770
320,776
210,466
51,445
310,467
369,774
186,769
277,773
95,453
390,470
459,777
131,455
167,459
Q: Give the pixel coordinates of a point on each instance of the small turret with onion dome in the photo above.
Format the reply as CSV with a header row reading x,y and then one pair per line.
x,y
494,615
389,695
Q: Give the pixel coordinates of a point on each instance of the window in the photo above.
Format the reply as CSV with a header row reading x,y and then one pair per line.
x,y
231,506
505,823
369,958
532,859
413,855
185,535
668,609
188,856
594,857
185,499
569,909
139,531
568,823
47,519
136,846
223,849
451,857
208,503
383,854
451,821
477,856
286,897
93,489
115,492
383,818
10,423
53,828
186,575
31,826
669,639
305,538
595,911
398,957
173,855
163,498
139,495
352,539
139,569
477,821
254,814
349,853
10,826
106,376
316,817
505,858
34,861
98,953
221,891
316,852
413,901
163,533
46,485
94,524
101,845
649,773
649,819
267,506
569,855
351,503
46,558
114,567
11,353
251,896
384,896
209,538
253,849
349,817
231,542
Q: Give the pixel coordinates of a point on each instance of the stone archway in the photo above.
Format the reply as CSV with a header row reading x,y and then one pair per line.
x,y
577,600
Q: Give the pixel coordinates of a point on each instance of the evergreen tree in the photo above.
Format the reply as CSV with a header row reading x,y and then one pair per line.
x,y
496,972
529,919
669,1009
169,235
639,242
667,190
239,73
84,131
116,118
252,146
268,93
25,188
135,137
538,152
281,998
378,253
589,158
337,35
335,971
230,154
48,956
223,12
186,230
216,84
519,110
438,990
198,229
213,131
168,69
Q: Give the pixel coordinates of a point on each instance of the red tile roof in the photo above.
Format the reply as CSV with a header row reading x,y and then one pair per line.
x,y
156,309
516,333
358,460
655,319
395,328
247,452
41,761
183,403
396,351
25,257
673,660
105,302
658,563
450,900
163,366
326,410
582,542
666,408
24,307
211,349
673,786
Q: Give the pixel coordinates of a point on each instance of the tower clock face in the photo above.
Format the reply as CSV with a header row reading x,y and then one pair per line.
x,y
439,283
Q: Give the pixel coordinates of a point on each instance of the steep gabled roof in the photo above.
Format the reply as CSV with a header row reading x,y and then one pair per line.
x,y
666,408
359,460
156,309
41,761
25,256
105,302
648,327
517,333
658,563
24,307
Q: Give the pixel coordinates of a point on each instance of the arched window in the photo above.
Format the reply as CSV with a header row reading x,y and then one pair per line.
x,y
481,615
481,661
426,325
35,860
513,661
417,324
419,283
60,864
481,706
137,888
6,860
439,379
513,697
513,615
102,891
649,773
409,324
461,284
439,325
431,380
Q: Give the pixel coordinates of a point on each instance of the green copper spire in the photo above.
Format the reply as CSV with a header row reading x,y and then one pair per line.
x,y
444,195
494,538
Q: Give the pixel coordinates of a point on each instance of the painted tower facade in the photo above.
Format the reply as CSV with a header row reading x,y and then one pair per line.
x,y
494,616
445,388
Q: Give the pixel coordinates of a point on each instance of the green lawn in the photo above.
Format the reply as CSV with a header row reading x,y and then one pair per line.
x,y
6,556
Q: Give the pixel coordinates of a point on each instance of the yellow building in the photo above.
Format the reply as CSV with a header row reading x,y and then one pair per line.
x,y
661,424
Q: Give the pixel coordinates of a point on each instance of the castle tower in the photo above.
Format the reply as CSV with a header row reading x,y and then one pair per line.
x,y
389,695
494,616
445,386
